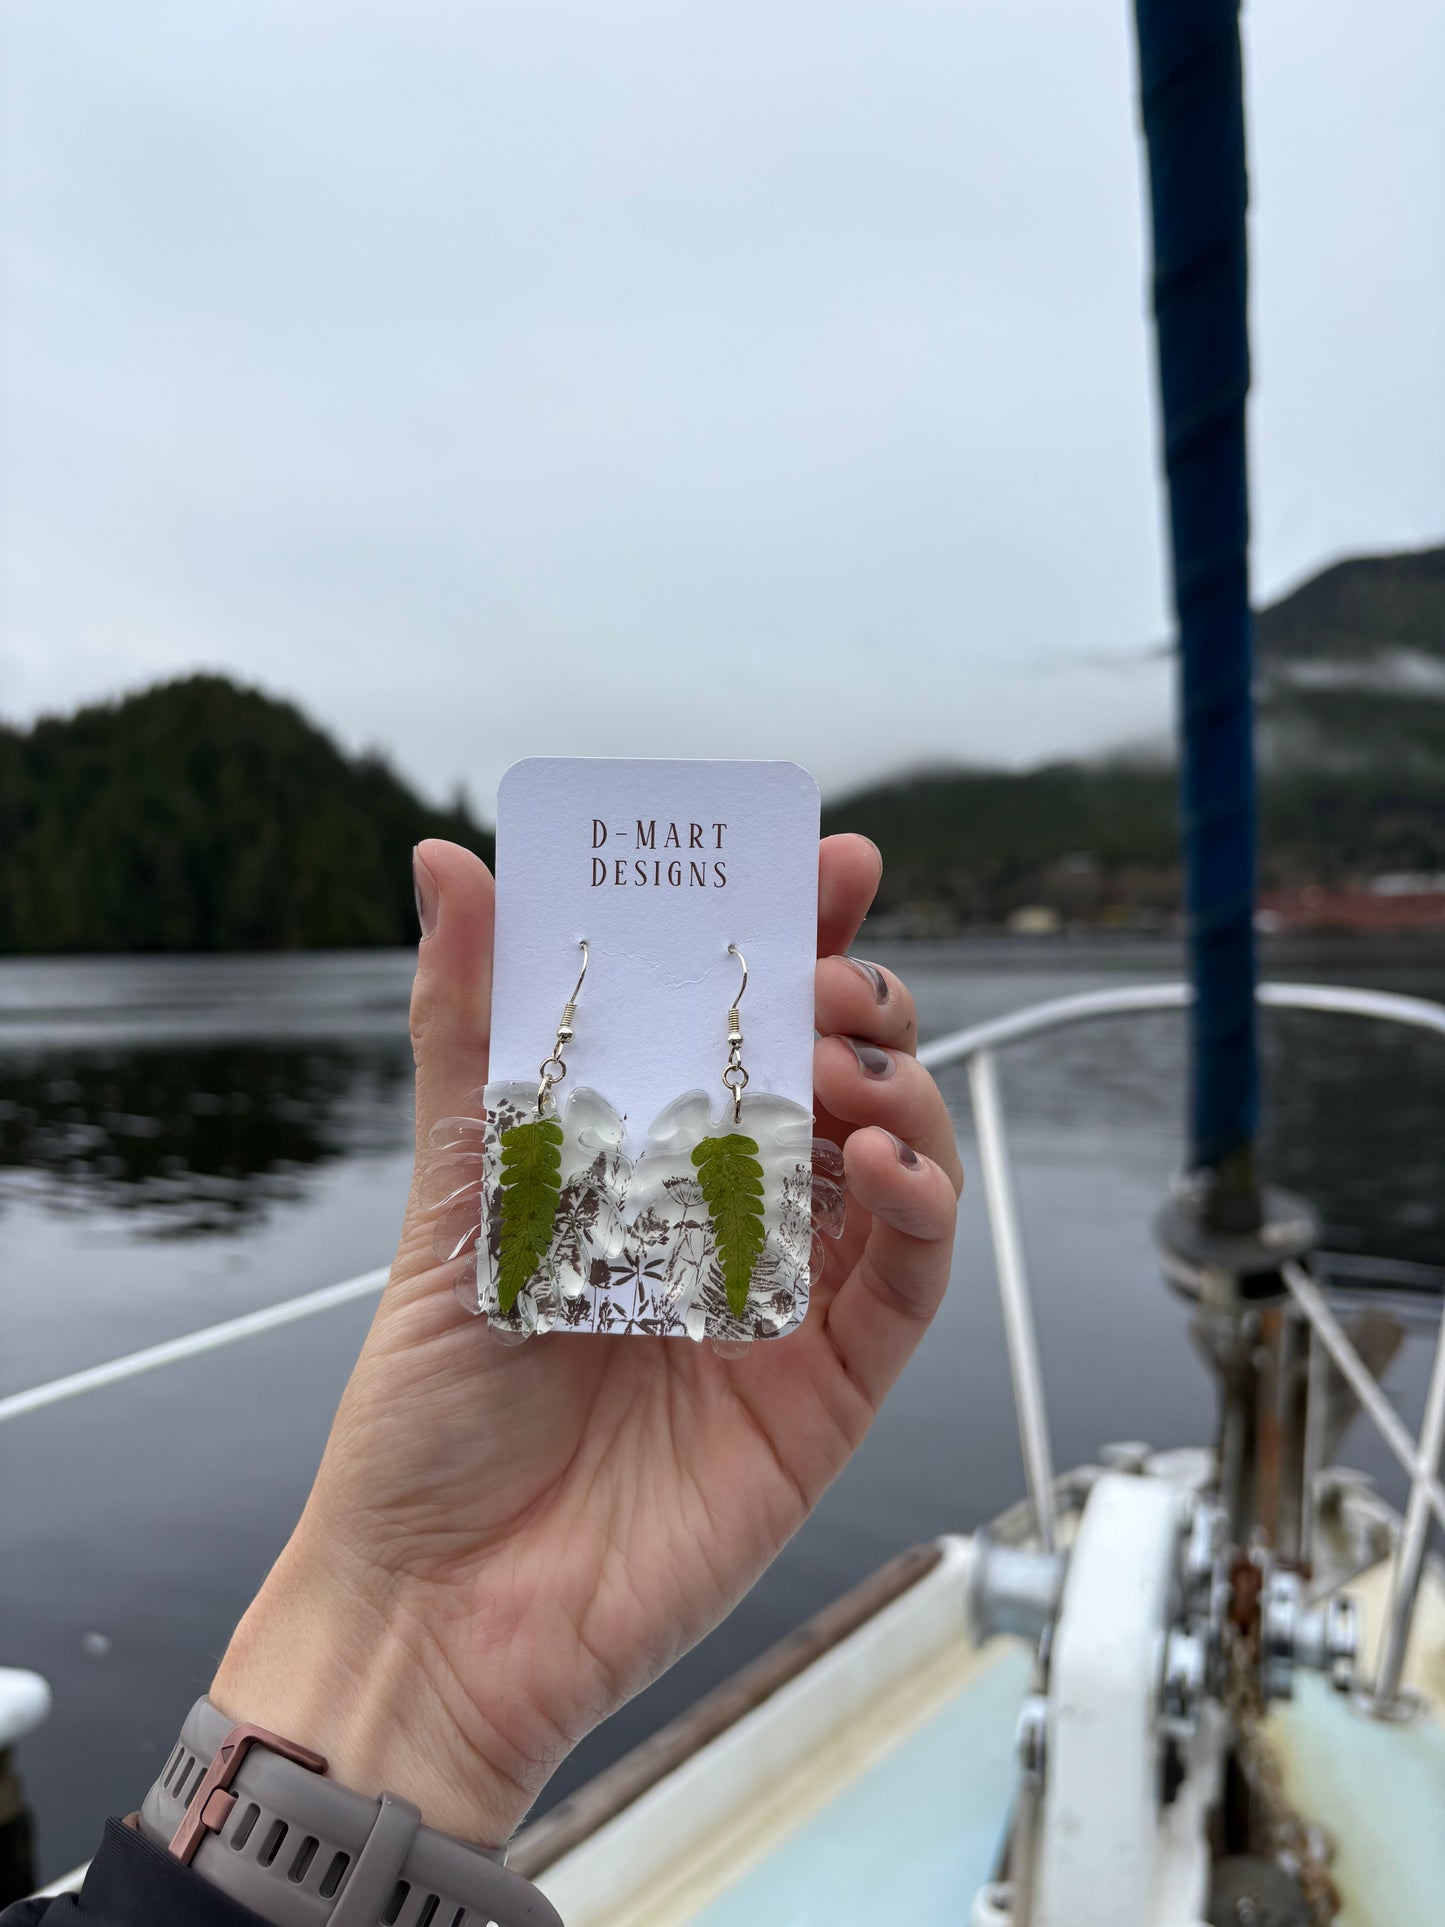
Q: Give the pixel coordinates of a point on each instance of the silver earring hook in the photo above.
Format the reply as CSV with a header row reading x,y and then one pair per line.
x,y
553,1068
577,988
733,951
735,1077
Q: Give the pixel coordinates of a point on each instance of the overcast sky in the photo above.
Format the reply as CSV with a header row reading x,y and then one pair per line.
x,y
654,378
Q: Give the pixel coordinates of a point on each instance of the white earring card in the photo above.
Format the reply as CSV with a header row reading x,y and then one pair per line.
x,y
609,1217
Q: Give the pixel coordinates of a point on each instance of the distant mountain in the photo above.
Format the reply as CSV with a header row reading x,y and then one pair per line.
x,y
1351,721
1352,671
1368,608
202,816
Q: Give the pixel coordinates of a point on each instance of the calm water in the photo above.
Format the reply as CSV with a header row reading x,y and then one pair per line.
x,y
185,1139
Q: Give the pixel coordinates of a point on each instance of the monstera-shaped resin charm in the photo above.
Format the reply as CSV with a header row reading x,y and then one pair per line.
x,y
721,1218
551,1198
680,1246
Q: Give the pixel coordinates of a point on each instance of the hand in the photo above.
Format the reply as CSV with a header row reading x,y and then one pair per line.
x,y
504,1543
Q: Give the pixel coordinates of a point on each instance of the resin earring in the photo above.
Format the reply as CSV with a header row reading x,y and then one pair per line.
x,y
726,1212
723,1208
530,1182
711,1235
548,1196
731,1176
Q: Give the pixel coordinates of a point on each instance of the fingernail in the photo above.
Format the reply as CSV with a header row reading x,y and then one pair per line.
x,y
428,896
873,1060
907,1156
874,975
877,852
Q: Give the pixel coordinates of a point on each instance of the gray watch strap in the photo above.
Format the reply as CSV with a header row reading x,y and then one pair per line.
x,y
301,1851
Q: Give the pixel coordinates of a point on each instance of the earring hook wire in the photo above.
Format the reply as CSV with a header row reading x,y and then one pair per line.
x,y
554,1067
577,990
733,951
735,1077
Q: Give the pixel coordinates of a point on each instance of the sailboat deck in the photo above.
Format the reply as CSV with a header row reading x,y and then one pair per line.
x,y
905,1835
1377,1786
873,1785
876,1784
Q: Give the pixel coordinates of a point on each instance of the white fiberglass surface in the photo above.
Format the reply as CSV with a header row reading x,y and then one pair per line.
x,y
1379,1788
909,1842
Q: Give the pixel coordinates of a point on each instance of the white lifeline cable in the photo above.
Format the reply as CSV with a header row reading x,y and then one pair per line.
x,y
210,1339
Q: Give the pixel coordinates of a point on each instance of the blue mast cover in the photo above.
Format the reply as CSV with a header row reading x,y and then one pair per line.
x,y
1191,84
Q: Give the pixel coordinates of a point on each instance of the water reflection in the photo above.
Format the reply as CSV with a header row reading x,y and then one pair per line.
x,y
1354,1116
1356,1122
200,1135
198,1139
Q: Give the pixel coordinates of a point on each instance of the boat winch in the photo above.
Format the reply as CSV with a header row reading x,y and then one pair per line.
x,y
1159,1645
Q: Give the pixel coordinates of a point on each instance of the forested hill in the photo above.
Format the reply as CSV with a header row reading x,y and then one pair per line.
x,y
201,816
1358,610
1351,730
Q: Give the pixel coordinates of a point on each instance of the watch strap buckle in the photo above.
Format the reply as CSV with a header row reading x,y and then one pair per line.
x,y
212,1803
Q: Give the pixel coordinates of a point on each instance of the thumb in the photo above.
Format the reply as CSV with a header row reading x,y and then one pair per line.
x,y
451,998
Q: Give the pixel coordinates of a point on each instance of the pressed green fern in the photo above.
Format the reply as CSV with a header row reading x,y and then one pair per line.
x,y
732,1189
531,1185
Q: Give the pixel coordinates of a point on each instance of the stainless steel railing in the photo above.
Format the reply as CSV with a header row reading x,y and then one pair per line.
x,y
977,1048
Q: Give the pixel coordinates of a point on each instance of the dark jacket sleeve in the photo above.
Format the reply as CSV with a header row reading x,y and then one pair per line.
x,y
133,1883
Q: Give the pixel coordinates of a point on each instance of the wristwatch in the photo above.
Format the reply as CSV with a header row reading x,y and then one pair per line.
x,y
254,1814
